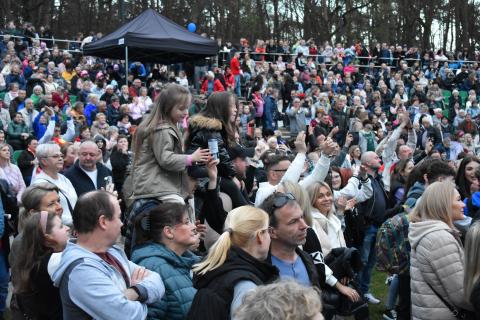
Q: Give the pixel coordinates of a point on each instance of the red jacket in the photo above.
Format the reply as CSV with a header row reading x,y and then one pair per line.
x,y
229,80
217,86
235,66
132,91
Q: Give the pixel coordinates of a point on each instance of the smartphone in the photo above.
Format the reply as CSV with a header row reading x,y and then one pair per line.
x,y
108,180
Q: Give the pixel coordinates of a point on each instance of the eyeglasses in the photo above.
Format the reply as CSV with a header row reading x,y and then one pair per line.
x,y
280,170
56,156
281,199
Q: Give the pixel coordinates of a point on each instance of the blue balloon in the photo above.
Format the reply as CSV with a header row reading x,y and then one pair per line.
x,y
192,27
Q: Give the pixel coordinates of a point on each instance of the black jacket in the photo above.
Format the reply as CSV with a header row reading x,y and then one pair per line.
x,y
24,162
344,262
367,208
432,132
44,301
120,162
82,182
215,288
340,119
202,129
113,115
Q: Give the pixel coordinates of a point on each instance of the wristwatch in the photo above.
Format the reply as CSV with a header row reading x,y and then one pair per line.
x,y
141,297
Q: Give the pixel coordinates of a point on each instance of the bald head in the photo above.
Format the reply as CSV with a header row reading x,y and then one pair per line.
x,y
371,160
87,155
404,152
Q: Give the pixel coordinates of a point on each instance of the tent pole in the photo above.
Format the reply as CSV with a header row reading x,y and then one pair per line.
x,y
126,65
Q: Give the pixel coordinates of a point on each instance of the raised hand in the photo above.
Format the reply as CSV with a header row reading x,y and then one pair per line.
x,y
300,145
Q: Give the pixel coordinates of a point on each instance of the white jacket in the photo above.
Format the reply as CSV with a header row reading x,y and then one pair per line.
x,y
328,229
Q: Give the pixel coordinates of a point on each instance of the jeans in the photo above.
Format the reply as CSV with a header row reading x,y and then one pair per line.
x,y
237,90
392,293
367,255
4,278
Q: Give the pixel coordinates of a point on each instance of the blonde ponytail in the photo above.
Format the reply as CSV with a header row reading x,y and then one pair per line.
x,y
242,225
216,255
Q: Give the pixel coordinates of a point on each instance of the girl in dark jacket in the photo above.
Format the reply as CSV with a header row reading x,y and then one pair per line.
x,y
120,160
216,124
234,265
43,235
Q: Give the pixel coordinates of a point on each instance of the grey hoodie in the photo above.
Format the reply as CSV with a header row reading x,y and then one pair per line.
x,y
92,288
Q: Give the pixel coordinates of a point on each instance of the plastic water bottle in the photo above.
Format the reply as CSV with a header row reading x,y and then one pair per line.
x,y
213,147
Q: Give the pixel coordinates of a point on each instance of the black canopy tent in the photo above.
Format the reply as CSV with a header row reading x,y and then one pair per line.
x,y
151,37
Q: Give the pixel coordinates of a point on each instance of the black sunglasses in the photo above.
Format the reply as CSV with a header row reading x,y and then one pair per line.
x,y
282,199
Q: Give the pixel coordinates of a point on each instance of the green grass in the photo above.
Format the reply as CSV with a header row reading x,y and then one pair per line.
x,y
379,289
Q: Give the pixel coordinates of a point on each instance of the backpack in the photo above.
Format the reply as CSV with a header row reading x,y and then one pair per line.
x,y
392,246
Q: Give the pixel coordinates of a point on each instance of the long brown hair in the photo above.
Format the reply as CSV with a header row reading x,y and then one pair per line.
x,y
171,96
34,246
218,107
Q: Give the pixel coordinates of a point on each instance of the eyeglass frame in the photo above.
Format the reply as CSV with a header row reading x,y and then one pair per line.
x,y
56,156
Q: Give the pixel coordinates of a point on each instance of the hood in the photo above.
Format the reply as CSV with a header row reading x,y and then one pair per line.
x,y
72,253
150,250
418,230
99,137
238,261
201,122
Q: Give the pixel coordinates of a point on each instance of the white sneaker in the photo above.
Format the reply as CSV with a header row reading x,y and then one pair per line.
x,y
370,298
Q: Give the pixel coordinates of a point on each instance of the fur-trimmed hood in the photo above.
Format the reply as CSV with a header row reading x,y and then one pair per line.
x,y
201,122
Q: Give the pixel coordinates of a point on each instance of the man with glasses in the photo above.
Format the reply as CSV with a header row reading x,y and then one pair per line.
x,y
288,231
87,174
279,168
50,160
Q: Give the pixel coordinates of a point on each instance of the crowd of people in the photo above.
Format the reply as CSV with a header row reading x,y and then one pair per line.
x,y
272,192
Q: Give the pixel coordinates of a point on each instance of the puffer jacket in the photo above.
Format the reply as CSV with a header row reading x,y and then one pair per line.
x,y
202,129
160,165
175,272
437,260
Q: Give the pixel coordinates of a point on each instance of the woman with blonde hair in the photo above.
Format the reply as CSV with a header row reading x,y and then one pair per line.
x,y
325,222
436,259
471,281
234,265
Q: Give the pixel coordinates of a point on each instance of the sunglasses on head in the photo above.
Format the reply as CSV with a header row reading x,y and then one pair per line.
x,y
281,199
